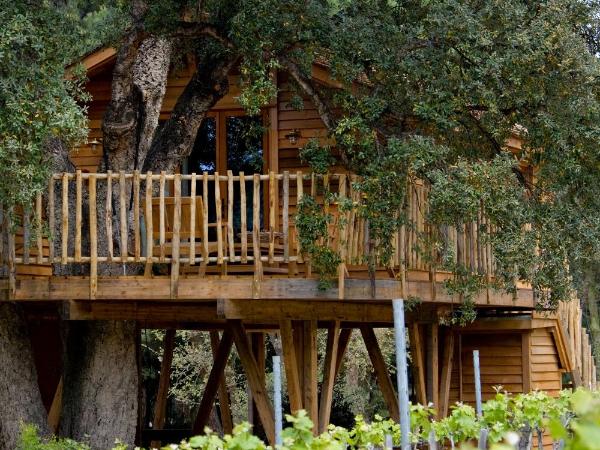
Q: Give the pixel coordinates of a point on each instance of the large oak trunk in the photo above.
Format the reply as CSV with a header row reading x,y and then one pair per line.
x,y
20,397
101,402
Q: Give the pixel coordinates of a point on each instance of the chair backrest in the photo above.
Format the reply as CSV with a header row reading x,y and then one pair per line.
x,y
185,222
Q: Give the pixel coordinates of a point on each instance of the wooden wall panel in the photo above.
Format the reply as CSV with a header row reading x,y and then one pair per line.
x,y
546,373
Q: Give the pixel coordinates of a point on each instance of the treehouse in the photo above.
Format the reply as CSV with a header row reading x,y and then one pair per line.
x,y
214,246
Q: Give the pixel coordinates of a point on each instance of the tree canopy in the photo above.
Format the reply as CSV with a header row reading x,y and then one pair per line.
x,y
427,89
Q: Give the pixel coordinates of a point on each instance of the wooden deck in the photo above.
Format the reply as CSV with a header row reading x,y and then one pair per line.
x,y
209,236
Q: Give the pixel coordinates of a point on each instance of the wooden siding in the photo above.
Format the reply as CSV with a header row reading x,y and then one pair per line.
x,y
546,372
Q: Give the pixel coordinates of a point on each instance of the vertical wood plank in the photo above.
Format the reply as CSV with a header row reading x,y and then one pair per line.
x,y
149,224
93,221
272,208
433,365
418,362
137,252
259,392
285,216
51,220
244,226
12,281
78,214
381,372
311,400
161,216
65,218
526,360
219,219
123,215
291,365
176,237
256,222
230,238
192,252
205,221
299,195
108,217
39,217
333,338
448,359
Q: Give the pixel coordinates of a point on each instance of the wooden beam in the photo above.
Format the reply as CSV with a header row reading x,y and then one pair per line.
x,y
213,382
333,339
226,419
418,362
257,342
345,336
381,371
259,391
56,407
167,311
233,287
160,407
291,365
433,366
310,375
448,361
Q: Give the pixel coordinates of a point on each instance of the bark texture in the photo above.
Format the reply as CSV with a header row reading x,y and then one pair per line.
x,y
20,397
101,401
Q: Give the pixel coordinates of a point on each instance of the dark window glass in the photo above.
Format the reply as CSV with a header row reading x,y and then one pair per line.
x,y
204,154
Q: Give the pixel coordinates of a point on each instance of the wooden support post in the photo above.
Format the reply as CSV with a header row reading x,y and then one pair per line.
x,y
213,382
149,225
310,375
123,216
418,362
243,224
224,403
448,359
108,215
160,407
381,371
433,366
333,339
291,365
78,214
259,392
65,218
137,246
344,340
257,342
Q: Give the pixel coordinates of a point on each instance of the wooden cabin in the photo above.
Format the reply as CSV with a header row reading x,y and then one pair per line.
x,y
220,251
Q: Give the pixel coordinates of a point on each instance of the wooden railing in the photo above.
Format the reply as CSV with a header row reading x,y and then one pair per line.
x,y
583,367
214,220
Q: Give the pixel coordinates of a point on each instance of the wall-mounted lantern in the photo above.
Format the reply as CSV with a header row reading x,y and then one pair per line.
x,y
293,136
94,144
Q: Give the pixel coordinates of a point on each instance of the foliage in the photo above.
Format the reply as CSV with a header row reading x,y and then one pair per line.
x,y
573,417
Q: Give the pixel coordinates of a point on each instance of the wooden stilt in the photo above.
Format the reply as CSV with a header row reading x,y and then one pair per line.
x,y
381,371
345,336
258,349
299,345
162,394
433,366
311,400
213,382
333,339
418,362
226,419
446,374
56,407
291,365
259,392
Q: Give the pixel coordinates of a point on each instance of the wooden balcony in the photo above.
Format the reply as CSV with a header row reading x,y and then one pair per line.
x,y
211,236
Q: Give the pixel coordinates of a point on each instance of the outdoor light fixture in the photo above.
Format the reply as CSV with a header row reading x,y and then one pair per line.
x,y
293,136
94,143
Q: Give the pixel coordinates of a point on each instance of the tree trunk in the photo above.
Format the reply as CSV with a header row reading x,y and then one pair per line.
x,y
20,397
100,401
